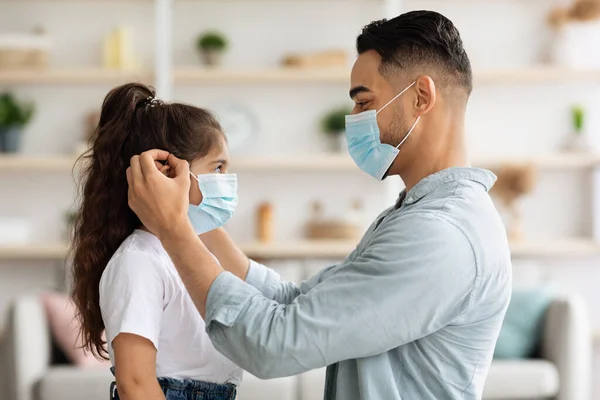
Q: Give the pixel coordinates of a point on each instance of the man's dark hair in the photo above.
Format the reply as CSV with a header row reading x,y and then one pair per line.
x,y
419,38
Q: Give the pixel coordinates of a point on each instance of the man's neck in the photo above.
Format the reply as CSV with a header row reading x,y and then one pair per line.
x,y
419,171
427,161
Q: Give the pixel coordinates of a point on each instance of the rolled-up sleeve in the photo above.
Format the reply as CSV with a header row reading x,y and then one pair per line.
x,y
270,284
415,277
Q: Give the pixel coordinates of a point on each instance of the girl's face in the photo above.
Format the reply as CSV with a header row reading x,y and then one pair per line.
x,y
215,162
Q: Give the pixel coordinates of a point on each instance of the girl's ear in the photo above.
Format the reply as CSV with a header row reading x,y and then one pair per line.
x,y
166,170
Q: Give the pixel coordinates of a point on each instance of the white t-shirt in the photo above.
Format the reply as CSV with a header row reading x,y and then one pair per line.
x,y
141,293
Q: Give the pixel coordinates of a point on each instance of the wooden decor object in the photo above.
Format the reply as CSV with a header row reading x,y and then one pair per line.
x,y
320,228
514,181
331,58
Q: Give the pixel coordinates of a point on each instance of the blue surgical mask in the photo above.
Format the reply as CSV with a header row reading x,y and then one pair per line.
x,y
364,142
219,200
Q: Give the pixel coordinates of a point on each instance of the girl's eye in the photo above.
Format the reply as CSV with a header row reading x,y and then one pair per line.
x,y
218,169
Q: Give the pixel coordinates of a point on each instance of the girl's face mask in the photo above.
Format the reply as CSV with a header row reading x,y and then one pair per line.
x,y
219,200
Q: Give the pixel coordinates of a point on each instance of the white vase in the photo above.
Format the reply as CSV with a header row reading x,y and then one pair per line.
x,y
575,45
577,143
212,58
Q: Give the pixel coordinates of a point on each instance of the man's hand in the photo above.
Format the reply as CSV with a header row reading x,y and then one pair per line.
x,y
159,201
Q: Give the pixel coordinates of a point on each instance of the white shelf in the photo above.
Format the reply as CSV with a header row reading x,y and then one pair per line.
x,y
32,163
299,249
340,249
294,163
219,76
545,162
305,162
71,76
536,75
528,75
325,249
559,248
57,251
277,75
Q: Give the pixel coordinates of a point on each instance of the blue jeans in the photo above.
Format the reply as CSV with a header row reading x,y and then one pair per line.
x,y
188,389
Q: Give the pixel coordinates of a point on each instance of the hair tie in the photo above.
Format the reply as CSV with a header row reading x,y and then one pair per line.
x,y
153,101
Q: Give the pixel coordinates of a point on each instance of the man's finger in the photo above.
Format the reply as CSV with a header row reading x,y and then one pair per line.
x,y
128,174
180,167
136,170
157,154
165,169
147,162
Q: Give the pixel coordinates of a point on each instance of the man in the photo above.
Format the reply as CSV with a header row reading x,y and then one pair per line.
x,y
414,312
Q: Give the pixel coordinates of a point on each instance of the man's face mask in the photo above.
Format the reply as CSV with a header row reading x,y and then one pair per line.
x,y
364,142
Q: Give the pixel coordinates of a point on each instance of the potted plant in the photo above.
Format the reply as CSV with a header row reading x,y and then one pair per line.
x,y
577,139
13,118
211,45
334,125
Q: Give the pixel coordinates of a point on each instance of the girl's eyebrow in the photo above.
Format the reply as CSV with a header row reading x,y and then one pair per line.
x,y
220,162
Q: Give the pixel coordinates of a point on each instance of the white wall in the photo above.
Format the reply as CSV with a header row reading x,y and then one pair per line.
x,y
505,120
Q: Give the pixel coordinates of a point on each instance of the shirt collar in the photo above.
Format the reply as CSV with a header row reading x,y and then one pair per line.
x,y
433,181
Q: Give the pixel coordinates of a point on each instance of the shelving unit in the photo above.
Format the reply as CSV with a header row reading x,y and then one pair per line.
x,y
541,74
34,163
267,76
71,76
334,249
276,75
530,75
52,251
307,162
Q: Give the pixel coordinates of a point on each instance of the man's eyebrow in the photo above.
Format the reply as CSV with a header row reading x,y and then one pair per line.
x,y
358,89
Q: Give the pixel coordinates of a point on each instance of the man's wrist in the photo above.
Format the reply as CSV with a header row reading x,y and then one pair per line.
x,y
179,230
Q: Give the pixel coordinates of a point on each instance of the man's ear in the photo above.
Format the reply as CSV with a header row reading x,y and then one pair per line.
x,y
426,95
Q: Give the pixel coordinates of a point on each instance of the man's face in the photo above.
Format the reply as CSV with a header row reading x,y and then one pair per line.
x,y
371,91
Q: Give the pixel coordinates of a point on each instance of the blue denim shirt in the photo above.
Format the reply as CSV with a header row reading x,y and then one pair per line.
x,y
413,313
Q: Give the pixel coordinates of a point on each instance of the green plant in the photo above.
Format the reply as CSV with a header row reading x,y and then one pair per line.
x,y
212,40
578,114
334,122
14,113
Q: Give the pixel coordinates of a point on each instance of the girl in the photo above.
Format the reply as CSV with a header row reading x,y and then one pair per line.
x,y
124,282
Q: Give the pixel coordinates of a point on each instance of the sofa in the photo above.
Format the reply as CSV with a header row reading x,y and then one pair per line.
x,y
562,372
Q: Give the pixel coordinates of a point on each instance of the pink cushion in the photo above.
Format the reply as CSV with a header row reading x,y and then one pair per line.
x,y
64,328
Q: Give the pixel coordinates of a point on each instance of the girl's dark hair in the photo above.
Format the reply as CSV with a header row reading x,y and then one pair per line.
x,y
131,122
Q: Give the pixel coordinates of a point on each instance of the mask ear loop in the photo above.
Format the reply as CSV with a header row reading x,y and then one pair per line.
x,y
395,97
194,176
409,132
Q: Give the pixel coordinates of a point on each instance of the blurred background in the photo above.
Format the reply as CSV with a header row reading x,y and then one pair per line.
x,y
276,73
